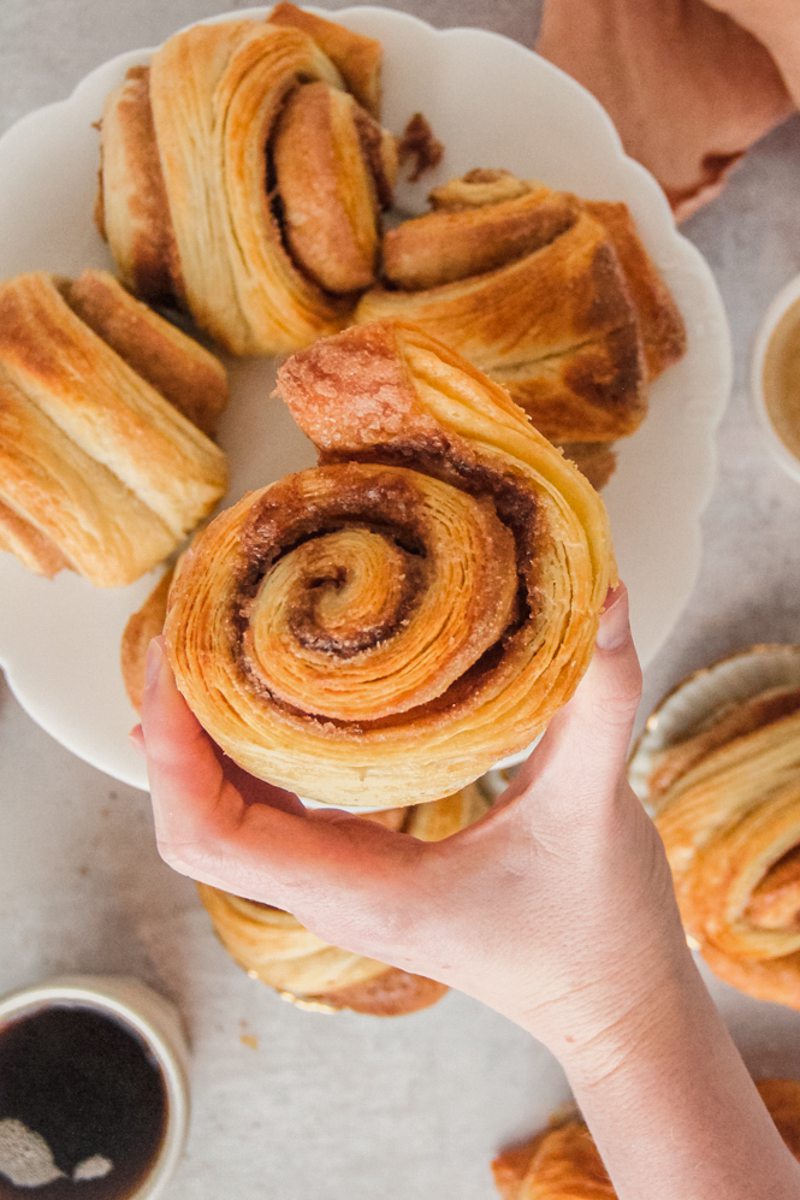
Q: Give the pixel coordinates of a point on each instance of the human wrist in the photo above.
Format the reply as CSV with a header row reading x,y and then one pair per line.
x,y
599,1021
637,1025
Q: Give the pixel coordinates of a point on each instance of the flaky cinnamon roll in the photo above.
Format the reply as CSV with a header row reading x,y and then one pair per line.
x,y
727,804
102,467
242,177
563,1163
275,948
382,628
553,296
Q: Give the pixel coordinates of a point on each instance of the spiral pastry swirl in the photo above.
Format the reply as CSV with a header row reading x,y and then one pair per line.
x,y
553,296
563,1163
727,806
274,947
242,180
380,629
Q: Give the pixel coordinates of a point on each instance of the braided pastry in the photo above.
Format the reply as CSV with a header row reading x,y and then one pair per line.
x,y
388,624
562,1163
275,948
727,804
241,181
102,467
553,296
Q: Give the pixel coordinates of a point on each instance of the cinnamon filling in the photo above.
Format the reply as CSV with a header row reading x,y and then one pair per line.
x,y
329,607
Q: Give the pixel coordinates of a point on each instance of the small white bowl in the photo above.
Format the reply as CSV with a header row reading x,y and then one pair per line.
x,y
778,309
157,1023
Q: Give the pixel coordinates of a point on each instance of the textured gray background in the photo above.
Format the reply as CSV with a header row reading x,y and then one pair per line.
x,y
345,1108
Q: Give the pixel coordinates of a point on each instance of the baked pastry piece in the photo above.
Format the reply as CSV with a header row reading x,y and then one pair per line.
x,y
275,948
142,626
553,296
386,626
242,176
727,804
100,470
562,1163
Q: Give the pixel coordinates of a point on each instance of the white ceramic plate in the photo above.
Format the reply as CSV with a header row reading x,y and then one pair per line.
x,y
494,104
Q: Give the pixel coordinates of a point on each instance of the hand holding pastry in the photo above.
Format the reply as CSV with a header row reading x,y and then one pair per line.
x,y
551,868
555,909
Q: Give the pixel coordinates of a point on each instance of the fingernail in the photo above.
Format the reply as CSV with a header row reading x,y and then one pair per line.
x,y
152,663
614,628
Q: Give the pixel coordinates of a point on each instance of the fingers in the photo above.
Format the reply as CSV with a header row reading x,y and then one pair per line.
x,y
263,847
580,760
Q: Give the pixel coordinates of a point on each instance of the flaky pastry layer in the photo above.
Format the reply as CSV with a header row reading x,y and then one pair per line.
x,y
101,470
391,623
242,181
553,296
727,805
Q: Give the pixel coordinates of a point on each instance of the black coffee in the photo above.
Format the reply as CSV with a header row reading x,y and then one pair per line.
x,y
83,1106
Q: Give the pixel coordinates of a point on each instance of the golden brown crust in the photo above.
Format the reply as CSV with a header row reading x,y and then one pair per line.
x,y
93,457
730,722
728,809
402,616
554,326
358,58
192,193
174,364
553,296
142,626
395,993
132,211
329,186
593,392
661,325
33,548
451,243
563,1163
596,460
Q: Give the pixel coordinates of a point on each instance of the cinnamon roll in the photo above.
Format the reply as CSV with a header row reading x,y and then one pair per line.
x,y
242,177
727,805
563,1163
102,466
382,628
275,948
553,296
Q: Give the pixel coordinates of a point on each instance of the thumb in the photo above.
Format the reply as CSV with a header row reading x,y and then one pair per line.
x,y
578,763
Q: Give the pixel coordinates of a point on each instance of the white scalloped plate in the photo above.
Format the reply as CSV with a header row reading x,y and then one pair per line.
x,y
494,104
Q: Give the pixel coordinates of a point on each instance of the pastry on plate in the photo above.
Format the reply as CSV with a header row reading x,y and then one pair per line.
x,y
384,627
562,1163
726,799
142,626
103,468
242,177
553,296
274,947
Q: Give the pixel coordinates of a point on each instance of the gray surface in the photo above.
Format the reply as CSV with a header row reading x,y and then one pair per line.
x,y
344,1108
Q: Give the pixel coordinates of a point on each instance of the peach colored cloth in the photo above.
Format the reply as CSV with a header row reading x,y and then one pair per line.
x,y
687,87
